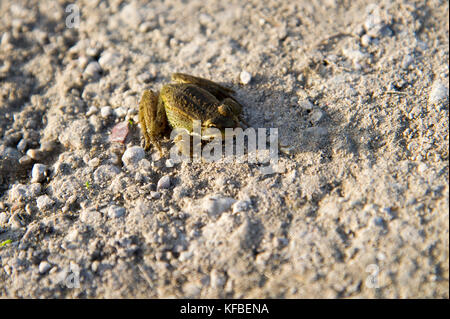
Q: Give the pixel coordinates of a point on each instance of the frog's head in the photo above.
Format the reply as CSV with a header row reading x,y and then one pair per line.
x,y
226,116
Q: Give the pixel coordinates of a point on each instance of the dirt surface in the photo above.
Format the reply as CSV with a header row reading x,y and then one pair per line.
x,y
357,206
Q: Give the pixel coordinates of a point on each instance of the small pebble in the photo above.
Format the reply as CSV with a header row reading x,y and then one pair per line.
x,y
22,145
3,218
108,60
38,173
316,116
25,160
92,110
215,205
116,211
306,105
164,182
44,203
240,206
106,111
439,93
48,146
44,266
94,162
121,112
35,154
366,40
92,70
245,77
133,155
119,132
155,195
169,163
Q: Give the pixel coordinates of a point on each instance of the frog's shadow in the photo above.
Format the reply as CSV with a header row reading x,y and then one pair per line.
x,y
299,129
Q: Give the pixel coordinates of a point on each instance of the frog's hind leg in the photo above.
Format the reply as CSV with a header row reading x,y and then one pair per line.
x,y
153,119
219,91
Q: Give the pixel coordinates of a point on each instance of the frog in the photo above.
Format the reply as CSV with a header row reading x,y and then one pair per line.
x,y
177,105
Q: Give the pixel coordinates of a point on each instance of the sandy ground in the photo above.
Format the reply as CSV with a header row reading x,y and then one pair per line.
x,y
357,207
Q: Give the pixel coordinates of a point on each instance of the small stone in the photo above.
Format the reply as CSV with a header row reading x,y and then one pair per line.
x,y
133,155
306,105
92,70
77,135
121,112
3,218
108,60
106,111
164,182
90,217
35,154
21,193
25,160
44,203
116,211
119,132
92,110
316,116
44,266
155,195
439,93
240,206
169,163
38,173
215,205
22,145
94,266
105,173
94,162
48,146
366,40
245,77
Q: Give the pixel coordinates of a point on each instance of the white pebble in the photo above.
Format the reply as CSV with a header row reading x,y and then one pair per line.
x,y
93,69
108,60
366,40
38,173
164,182
44,203
116,211
35,154
439,93
106,111
169,163
44,266
121,112
306,105
245,77
215,205
240,206
316,116
133,155
92,110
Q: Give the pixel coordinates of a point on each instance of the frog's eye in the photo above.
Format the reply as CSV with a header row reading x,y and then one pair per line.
x,y
224,110
211,125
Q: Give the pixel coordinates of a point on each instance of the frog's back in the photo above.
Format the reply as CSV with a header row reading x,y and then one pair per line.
x,y
186,102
